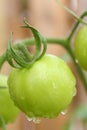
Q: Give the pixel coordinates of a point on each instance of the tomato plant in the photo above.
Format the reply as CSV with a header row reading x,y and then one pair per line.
x,y
43,85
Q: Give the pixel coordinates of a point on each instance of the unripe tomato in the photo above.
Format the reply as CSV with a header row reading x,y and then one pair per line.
x,y
81,47
8,110
43,90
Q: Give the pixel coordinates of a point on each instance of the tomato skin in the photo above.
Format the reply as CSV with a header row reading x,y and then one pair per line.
x,y
81,47
43,90
8,110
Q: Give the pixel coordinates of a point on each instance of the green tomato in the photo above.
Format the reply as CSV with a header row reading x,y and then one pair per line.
x,y
81,47
43,90
8,111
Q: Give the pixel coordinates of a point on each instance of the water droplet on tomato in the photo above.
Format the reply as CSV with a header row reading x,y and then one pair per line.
x,y
75,92
34,119
64,112
76,61
28,118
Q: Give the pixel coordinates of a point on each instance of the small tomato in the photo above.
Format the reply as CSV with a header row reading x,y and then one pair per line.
x,y
8,110
81,47
44,89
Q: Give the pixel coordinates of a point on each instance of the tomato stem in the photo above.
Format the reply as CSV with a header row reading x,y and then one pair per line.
x,y
2,60
76,25
3,123
71,12
31,41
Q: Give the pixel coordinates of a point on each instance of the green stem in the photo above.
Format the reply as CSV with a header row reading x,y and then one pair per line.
x,y
31,41
2,59
3,123
24,51
71,12
76,25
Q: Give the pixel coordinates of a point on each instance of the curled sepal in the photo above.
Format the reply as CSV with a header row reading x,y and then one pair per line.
x,y
9,57
20,57
39,41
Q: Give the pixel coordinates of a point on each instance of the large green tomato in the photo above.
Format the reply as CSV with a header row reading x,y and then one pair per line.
x,y
8,111
81,47
43,90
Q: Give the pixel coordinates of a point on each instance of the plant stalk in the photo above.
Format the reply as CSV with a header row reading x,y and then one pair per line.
x,y
2,59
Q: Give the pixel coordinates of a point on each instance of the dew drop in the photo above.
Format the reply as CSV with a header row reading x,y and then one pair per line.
x,y
76,61
29,119
34,119
75,92
64,112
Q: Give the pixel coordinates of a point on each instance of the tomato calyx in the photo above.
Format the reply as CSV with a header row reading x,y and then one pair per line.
x,y
21,55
